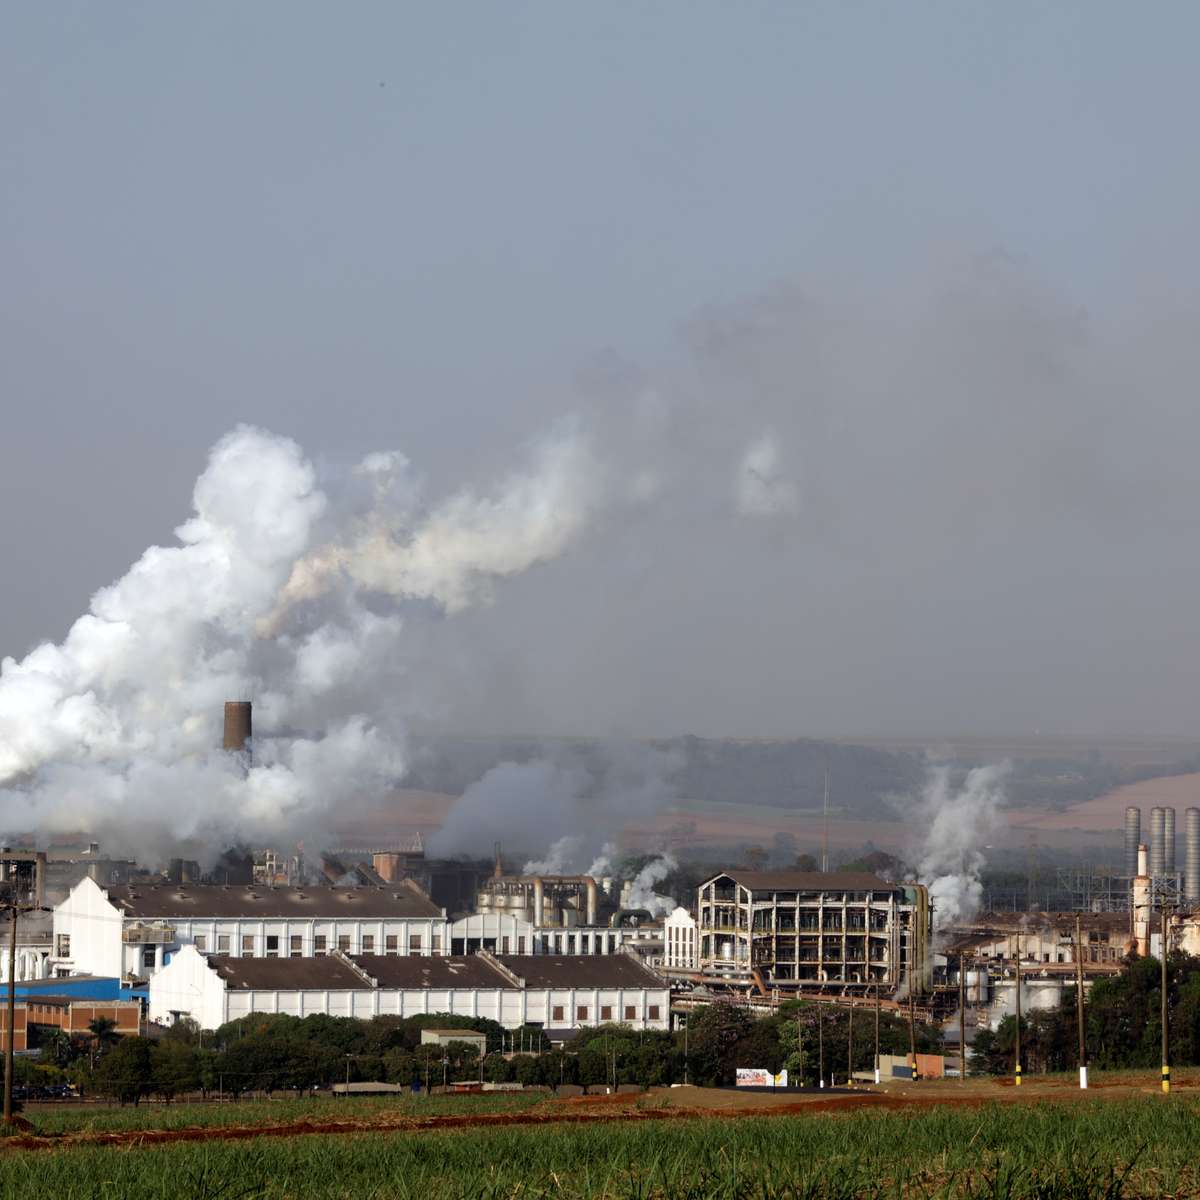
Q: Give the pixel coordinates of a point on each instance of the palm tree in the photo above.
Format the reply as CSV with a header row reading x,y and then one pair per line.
x,y
57,1046
104,1034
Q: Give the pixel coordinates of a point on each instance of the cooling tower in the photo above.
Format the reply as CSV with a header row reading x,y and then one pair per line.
x,y
238,730
1168,841
1191,854
1158,839
1133,836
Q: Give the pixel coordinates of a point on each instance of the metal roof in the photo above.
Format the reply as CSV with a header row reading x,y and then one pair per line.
x,y
288,974
403,900
437,971
580,970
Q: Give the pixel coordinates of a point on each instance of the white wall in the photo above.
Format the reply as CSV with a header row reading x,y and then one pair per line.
x,y
681,945
187,984
94,928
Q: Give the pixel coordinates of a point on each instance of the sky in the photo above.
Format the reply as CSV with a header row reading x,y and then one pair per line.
x,y
914,286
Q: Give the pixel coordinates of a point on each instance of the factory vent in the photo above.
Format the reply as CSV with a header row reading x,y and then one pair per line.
x,y
238,727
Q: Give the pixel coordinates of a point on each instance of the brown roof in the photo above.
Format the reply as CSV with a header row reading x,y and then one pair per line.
x,y
288,974
82,1001
403,900
415,971
580,970
809,881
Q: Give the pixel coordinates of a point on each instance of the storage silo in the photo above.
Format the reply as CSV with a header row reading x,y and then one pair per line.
x,y
1157,841
1168,841
1133,836
1191,855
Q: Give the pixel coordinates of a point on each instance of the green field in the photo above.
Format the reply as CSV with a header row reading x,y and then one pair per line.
x,y
103,1118
1094,1148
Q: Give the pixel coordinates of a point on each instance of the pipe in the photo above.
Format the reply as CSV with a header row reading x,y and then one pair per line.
x,y
539,902
593,899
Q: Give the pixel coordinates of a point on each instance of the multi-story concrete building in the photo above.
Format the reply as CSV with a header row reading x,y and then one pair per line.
x,y
132,932
681,943
561,994
791,929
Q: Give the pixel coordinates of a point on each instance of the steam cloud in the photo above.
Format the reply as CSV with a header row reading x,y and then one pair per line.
x,y
959,821
296,592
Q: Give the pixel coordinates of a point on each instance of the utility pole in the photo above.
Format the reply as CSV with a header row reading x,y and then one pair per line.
x,y
800,1046
820,1046
912,1026
877,1035
686,1022
1166,1033
1079,1002
11,1035
850,1046
825,825
1017,1056
962,1018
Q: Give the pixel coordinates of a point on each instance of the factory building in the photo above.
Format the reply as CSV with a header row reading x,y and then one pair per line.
x,y
561,994
132,932
681,942
791,929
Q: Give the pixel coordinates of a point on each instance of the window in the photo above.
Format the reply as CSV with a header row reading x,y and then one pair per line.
x,y
148,958
201,942
630,1012
297,945
581,1013
248,945
652,1012
414,943
368,943
557,1013
222,943
436,945
391,944
63,947
272,945
504,945
319,945
606,1012
344,943
520,944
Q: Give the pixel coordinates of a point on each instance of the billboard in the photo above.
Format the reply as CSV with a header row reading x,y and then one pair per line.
x,y
760,1077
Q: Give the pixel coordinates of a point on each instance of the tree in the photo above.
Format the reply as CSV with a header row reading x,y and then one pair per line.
x,y
57,1047
175,1069
126,1072
104,1035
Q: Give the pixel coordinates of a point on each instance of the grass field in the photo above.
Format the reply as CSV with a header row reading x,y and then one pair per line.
x,y
1091,1148
92,1118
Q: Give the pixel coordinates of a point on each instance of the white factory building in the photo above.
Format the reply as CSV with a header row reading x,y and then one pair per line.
x,y
560,993
133,932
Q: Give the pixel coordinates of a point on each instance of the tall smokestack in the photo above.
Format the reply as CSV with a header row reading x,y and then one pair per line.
x,y
1133,838
1191,855
238,726
1158,841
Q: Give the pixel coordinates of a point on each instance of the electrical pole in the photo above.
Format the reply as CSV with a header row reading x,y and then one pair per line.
x,y
1166,1035
877,1035
1017,1055
11,1037
1079,1002
850,1046
820,1046
962,1018
912,1026
800,1046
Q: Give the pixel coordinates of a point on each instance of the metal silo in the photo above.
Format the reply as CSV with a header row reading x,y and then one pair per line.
x,y
1157,840
1191,854
1133,835
1168,841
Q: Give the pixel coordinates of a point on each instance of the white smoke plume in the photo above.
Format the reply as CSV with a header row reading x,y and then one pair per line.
x,y
559,859
273,593
760,487
959,821
641,893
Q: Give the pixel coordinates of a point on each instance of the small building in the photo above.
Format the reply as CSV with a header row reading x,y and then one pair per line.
x,y
681,949
443,1037
563,993
68,1013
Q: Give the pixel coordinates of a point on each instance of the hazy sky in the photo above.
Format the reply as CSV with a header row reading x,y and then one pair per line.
x,y
944,255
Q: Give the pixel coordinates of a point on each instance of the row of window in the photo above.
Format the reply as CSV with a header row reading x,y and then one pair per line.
x,y
321,945
583,1012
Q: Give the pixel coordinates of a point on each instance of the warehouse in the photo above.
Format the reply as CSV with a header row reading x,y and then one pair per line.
x,y
560,993
791,929
132,932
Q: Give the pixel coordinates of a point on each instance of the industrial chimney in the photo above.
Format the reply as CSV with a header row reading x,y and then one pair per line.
x,y
1133,838
238,732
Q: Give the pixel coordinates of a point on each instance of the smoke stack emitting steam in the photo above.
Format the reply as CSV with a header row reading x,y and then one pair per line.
x,y
238,726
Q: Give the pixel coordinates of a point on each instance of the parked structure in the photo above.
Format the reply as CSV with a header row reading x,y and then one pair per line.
x,y
791,929
562,994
